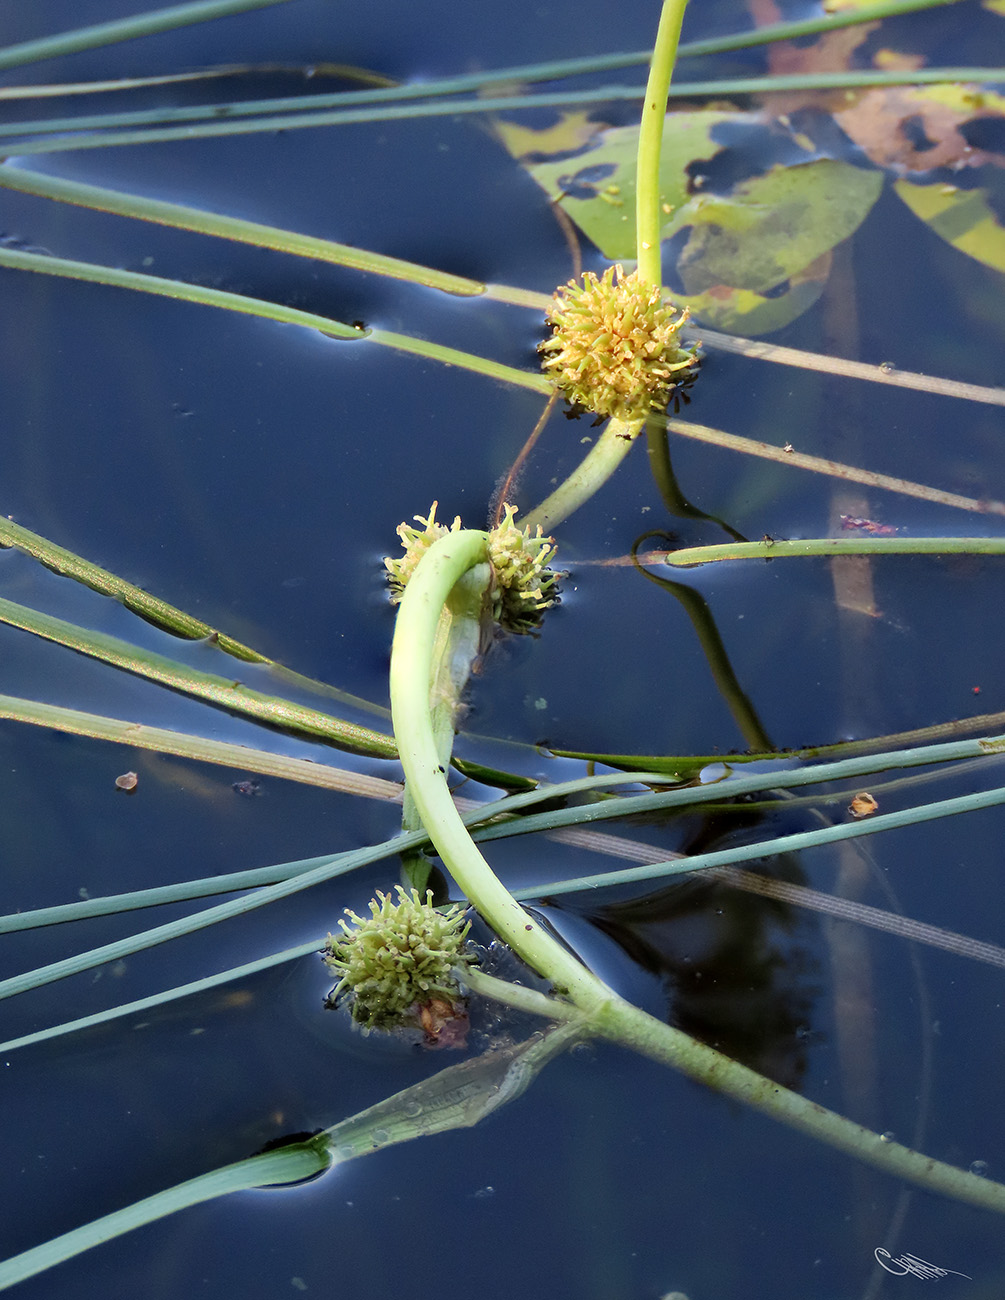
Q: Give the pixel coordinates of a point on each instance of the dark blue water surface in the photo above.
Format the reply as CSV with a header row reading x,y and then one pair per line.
x,y
253,474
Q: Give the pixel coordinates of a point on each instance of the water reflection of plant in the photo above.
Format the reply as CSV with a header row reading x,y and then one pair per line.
x,y
440,628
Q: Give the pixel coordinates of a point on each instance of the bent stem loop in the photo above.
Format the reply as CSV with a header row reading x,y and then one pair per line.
x,y
413,672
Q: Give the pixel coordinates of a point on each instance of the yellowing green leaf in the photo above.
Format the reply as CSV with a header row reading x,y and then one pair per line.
x,y
962,218
768,229
597,186
752,258
742,311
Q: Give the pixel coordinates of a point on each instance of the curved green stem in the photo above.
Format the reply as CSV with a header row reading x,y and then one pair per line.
x,y
596,468
412,672
654,111
412,669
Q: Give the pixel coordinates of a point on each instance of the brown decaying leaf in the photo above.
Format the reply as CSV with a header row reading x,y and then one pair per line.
x,y
916,129
863,805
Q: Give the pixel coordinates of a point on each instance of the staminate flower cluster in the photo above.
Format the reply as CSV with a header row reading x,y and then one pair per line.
x,y
523,586
399,959
615,349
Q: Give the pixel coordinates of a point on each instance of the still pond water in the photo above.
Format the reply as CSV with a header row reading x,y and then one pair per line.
x,y
253,474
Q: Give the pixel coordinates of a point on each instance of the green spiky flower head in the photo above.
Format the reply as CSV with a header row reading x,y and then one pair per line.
x,y
398,959
615,347
523,586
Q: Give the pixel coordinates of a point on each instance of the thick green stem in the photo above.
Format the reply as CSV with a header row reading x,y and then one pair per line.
x,y
412,654
412,670
596,468
455,647
654,111
633,1028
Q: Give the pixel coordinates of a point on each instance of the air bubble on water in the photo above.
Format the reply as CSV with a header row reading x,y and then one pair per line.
x,y
979,1168
888,1136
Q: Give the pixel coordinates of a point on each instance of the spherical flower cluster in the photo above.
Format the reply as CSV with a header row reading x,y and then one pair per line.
x,y
399,959
615,348
523,586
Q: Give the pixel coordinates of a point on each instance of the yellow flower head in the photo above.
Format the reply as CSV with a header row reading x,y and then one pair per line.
x,y
614,349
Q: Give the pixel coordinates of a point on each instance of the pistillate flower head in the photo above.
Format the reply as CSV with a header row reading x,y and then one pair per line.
x,y
615,349
398,960
523,586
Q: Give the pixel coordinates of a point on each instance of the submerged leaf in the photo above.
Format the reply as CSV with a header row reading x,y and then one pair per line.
x,y
769,229
751,257
963,218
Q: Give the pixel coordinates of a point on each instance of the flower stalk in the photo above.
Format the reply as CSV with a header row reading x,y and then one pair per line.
x,y
442,566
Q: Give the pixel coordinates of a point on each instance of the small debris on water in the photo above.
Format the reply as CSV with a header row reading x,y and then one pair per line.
x,y
863,805
128,781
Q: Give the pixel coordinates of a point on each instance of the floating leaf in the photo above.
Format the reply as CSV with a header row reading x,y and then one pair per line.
x,y
750,258
963,218
596,187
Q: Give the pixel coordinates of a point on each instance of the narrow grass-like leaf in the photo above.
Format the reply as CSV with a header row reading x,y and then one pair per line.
x,y
731,785
18,260
90,271
460,1096
125,29
220,691
683,766
279,120
290,1164
692,556
181,217
884,373
232,882
161,740
157,611
832,468
781,844
142,1005
521,74
154,610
